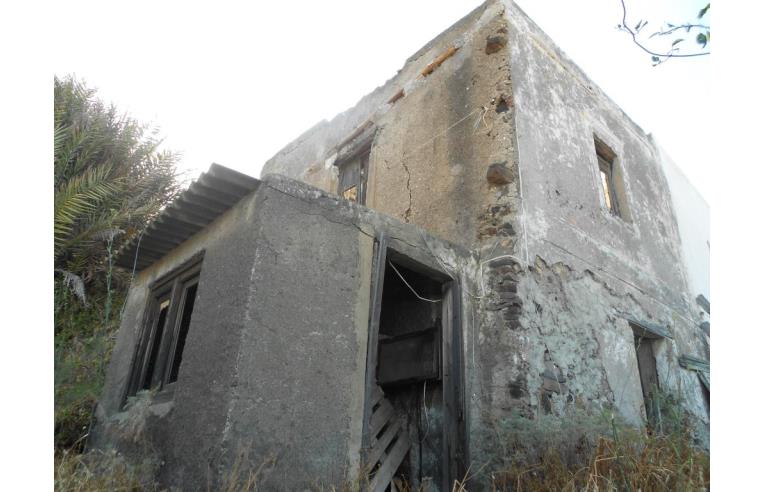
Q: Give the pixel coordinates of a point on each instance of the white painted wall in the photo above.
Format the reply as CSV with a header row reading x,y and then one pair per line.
x,y
692,214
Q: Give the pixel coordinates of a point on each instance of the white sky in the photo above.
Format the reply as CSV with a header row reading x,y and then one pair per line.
x,y
233,83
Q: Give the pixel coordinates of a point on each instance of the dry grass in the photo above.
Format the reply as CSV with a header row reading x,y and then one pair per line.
x,y
631,460
243,475
97,471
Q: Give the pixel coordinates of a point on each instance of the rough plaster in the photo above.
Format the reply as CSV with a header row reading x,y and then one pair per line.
x,y
548,275
275,360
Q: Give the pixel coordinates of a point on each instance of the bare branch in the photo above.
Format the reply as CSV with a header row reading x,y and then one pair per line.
x,y
662,57
677,28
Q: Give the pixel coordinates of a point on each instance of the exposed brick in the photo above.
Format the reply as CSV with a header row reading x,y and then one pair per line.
x,y
507,286
499,174
495,43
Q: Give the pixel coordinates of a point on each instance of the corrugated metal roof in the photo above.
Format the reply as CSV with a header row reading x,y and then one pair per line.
x,y
216,191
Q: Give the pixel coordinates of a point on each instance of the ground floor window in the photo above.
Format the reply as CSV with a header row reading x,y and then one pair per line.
x,y
159,351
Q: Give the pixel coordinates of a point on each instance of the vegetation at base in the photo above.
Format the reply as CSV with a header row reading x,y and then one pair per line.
x,y
579,451
110,179
97,471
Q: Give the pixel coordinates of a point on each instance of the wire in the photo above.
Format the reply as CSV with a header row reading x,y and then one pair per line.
x,y
132,274
424,407
410,287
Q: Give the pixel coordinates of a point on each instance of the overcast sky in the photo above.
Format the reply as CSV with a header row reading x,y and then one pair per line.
x,y
233,83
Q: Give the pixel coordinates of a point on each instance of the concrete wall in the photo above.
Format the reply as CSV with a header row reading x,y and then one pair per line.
x,y
275,359
492,150
569,272
578,272
693,218
432,147
184,429
558,112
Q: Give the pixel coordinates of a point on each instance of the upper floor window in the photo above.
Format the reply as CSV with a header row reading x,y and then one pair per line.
x,y
611,180
353,176
160,348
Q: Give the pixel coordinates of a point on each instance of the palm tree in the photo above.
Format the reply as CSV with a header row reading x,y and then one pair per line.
x,y
110,179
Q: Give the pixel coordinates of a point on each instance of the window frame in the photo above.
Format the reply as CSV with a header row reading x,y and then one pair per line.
x,y
650,337
362,157
606,178
606,162
172,287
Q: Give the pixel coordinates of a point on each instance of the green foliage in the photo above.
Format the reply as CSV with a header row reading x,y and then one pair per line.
x,y
82,348
109,180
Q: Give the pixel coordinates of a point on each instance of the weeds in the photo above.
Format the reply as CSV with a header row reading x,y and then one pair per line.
x,y
98,471
578,451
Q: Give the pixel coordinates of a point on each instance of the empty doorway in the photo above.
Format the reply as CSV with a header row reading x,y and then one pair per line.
x,y
414,432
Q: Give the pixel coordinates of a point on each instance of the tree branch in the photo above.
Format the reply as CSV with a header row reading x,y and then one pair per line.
x,y
665,56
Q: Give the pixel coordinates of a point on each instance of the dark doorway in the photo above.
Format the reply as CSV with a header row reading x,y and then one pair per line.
x,y
415,431
648,377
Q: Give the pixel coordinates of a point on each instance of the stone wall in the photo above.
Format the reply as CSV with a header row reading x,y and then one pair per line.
x,y
495,150
442,155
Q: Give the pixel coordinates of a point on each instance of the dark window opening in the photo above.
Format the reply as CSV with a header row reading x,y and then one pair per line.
x,y
611,181
160,348
189,296
164,306
606,159
645,342
353,177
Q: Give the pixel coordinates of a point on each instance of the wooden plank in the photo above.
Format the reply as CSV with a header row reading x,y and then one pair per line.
x,y
379,418
377,284
376,395
694,364
462,436
409,357
386,472
384,441
449,420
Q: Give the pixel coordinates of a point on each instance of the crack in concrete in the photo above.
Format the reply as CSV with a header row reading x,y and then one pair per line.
x,y
324,214
407,213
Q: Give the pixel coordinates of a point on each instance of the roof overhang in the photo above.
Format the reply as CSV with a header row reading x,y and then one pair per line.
x,y
649,330
206,199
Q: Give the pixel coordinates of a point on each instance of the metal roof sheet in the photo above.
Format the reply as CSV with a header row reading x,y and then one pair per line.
x,y
206,199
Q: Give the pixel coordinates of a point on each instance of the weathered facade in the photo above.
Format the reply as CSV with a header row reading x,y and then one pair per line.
x,y
526,214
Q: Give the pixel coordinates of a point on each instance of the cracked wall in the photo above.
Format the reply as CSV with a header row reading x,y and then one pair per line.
x,y
551,338
449,121
275,359
486,139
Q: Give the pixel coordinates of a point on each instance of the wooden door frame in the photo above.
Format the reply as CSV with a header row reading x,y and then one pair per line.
x,y
455,451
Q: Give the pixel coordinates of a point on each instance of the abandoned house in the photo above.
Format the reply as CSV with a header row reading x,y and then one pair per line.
x,y
486,233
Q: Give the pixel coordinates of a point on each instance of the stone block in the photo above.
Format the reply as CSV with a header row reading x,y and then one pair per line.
x,y
499,174
495,43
